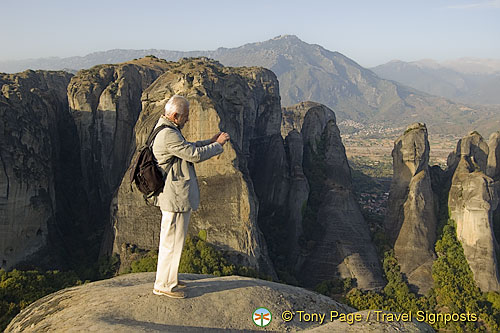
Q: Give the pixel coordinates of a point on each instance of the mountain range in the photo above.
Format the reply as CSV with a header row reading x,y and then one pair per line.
x,y
466,81
311,72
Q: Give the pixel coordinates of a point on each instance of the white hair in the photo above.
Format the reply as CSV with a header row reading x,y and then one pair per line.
x,y
176,104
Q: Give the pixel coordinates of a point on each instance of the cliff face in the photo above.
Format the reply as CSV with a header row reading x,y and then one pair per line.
x,y
32,107
241,101
105,102
298,193
411,214
493,163
290,177
493,171
336,242
472,201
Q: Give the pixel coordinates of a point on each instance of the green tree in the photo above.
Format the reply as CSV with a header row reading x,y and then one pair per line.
x,y
18,289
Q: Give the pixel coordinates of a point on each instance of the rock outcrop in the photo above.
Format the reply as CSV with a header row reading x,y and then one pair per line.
x,y
292,178
336,242
105,102
298,192
127,304
493,171
493,163
32,121
472,201
411,211
241,101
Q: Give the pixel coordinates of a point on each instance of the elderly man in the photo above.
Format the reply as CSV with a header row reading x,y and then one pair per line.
x,y
180,195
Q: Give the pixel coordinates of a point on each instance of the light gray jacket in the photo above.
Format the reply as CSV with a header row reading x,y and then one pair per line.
x,y
181,192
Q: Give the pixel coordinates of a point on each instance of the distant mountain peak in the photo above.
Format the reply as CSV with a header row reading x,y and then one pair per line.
x,y
287,37
463,80
427,63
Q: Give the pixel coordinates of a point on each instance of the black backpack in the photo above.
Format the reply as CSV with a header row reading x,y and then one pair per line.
x,y
145,172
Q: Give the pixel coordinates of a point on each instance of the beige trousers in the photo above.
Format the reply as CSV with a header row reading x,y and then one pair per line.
x,y
174,228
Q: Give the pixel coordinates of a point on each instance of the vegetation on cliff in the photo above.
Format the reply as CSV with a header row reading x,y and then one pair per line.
x,y
18,289
198,257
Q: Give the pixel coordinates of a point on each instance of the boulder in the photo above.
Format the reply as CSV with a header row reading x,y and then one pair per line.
x,y
411,213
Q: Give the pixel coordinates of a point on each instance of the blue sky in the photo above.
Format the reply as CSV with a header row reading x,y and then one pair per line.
x,y
370,32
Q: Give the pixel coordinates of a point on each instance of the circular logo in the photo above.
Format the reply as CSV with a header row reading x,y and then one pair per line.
x,y
262,317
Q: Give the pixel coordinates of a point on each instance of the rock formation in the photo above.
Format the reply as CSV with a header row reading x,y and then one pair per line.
x,y
32,106
105,102
127,304
411,213
472,200
493,163
292,177
298,192
493,171
336,242
241,101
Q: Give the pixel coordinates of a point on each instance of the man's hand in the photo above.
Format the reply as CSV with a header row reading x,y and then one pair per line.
x,y
214,138
223,138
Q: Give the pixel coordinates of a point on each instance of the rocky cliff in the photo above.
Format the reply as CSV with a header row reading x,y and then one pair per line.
x,y
286,177
493,162
32,136
241,101
411,212
105,102
493,171
127,304
472,201
336,242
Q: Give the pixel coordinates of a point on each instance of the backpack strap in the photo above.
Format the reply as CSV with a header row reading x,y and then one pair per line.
x,y
153,134
148,143
149,140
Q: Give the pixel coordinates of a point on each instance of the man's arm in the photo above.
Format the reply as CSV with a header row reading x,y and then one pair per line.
x,y
202,143
178,146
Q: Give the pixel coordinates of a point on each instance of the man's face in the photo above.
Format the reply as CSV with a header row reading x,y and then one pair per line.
x,y
181,119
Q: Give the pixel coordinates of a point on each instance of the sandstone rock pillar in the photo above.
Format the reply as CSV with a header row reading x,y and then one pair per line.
x,y
472,201
411,218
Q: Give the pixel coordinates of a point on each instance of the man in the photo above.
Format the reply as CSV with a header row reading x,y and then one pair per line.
x,y
180,195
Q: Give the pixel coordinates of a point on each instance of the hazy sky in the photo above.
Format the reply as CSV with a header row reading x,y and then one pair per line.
x,y
370,32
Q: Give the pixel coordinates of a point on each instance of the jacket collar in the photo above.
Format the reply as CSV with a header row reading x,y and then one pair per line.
x,y
165,121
